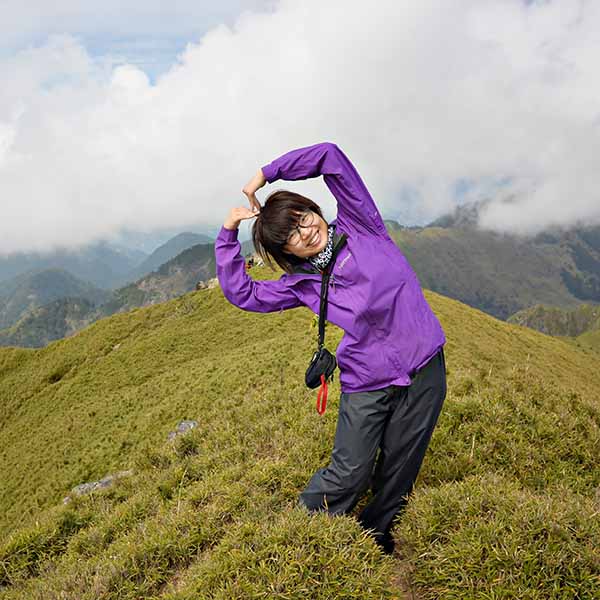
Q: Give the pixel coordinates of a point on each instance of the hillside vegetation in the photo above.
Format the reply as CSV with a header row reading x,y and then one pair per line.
x,y
581,324
167,251
36,327
44,324
506,505
500,273
32,290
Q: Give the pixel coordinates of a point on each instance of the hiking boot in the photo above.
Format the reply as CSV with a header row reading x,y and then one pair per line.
x,y
385,542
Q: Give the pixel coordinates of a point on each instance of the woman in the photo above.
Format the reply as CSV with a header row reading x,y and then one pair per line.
x,y
391,358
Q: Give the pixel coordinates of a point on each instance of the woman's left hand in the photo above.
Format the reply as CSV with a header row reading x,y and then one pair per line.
x,y
250,189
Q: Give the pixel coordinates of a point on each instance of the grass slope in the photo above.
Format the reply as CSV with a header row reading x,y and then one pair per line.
x,y
506,505
590,339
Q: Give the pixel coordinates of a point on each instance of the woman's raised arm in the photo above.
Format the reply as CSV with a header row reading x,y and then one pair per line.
x,y
238,287
356,207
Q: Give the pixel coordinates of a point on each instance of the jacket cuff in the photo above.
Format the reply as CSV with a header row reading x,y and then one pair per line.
x,y
228,235
270,172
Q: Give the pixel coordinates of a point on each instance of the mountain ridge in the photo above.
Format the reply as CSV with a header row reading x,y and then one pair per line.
x,y
99,262
498,273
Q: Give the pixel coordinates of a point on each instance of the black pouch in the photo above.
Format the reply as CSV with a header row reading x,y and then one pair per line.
x,y
322,363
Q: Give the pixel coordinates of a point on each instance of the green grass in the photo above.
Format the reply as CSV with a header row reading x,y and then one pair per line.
x,y
590,339
505,507
486,537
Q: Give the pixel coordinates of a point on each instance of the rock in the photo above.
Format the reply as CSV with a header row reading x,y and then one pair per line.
x,y
182,427
208,284
87,488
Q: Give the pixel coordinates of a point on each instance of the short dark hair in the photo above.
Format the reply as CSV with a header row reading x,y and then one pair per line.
x,y
277,218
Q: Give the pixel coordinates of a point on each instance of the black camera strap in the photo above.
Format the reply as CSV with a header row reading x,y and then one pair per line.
x,y
323,304
325,289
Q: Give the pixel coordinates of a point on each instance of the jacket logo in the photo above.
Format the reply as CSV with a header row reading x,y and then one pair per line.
x,y
344,261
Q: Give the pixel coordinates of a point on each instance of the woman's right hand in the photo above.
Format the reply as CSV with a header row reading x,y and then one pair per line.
x,y
238,214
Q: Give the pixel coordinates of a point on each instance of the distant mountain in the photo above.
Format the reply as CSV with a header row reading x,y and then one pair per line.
x,y
175,277
39,325
166,252
149,241
38,288
392,225
44,324
464,215
499,273
102,263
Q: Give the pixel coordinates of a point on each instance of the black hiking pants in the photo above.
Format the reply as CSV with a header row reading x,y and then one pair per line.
x,y
397,420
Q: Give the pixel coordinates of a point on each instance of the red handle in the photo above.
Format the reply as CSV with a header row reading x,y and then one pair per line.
x,y
322,396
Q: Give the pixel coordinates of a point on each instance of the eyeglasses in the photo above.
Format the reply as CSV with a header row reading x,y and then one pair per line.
x,y
306,220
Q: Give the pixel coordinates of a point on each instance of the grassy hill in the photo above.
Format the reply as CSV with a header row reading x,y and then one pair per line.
x,y
590,339
581,324
505,507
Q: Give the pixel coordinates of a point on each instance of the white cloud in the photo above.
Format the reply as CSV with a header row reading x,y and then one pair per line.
x,y
419,98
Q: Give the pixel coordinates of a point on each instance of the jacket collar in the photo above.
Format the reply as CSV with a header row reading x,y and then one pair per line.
x,y
339,240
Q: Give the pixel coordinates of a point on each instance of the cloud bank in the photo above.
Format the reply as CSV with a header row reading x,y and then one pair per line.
x,y
494,98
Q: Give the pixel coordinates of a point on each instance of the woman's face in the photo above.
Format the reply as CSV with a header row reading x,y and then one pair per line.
x,y
309,238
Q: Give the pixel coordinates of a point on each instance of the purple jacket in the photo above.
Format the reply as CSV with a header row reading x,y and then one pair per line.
x,y
376,298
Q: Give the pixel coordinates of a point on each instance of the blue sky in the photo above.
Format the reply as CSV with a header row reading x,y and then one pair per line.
x,y
147,34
